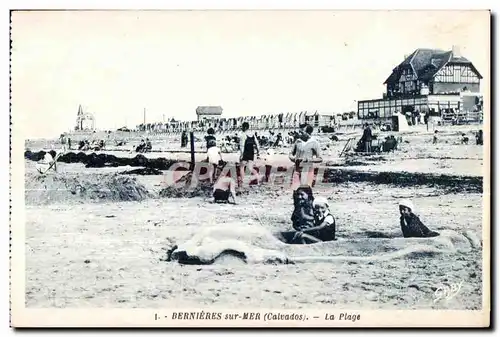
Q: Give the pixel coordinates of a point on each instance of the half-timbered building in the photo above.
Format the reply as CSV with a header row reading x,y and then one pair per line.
x,y
429,81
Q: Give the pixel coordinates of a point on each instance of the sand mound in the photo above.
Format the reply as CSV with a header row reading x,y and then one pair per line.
x,y
255,244
185,188
61,188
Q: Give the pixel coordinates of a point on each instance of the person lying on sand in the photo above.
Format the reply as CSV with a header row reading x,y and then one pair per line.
x,y
411,225
224,188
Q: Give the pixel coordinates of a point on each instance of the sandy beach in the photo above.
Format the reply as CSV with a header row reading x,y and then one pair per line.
x,y
85,247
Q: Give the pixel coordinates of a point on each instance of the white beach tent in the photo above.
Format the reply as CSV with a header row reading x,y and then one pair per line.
x,y
402,122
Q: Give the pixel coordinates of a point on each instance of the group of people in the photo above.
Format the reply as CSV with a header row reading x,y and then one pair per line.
x,y
464,139
313,222
85,145
144,146
312,219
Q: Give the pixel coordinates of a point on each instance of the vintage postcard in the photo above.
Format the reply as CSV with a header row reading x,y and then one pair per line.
x,y
250,168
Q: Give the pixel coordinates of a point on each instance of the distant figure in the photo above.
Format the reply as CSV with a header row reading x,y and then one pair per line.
x,y
279,140
306,150
210,138
148,146
464,140
435,138
63,142
214,158
479,137
184,138
69,143
390,144
141,147
249,150
367,138
411,226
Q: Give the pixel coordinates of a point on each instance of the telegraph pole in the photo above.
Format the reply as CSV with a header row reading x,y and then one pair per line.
x,y
144,116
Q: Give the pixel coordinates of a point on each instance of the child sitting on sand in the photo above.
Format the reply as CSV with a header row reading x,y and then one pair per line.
x,y
303,212
224,189
324,224
302,216
411,225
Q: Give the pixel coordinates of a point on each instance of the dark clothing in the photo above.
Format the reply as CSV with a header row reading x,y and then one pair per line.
x,y
184,139
288,236
479,139
299,222
412,227
221,195
326,233
209,139
249,149
367,135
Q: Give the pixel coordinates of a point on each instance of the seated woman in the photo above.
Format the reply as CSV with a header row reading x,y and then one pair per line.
x,y
302,216
324,224
224,188
303,211
411,225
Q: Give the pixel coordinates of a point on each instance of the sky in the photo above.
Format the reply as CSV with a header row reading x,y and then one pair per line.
x,y
118,63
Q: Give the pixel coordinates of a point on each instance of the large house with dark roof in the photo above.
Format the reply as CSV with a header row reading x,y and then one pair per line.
x,y
429,81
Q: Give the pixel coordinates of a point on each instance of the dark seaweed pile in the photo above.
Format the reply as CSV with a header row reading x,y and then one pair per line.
x,y
450,183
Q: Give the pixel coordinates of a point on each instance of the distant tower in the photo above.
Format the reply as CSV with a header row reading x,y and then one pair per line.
x,y
79,119
84,121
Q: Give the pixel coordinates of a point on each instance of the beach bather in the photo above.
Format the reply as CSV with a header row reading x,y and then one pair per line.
x,y
303,212
302,215
411,225
224,189
324,224
214,158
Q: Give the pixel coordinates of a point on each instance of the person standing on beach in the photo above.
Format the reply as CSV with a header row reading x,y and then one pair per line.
x,y
306,150
367,138
184,138
214,158
210,138
249,151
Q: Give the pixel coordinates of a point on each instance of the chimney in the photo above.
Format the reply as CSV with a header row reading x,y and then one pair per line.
x,y
456,51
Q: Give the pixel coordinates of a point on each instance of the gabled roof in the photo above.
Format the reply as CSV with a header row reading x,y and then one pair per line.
x,y
427,62
209,110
